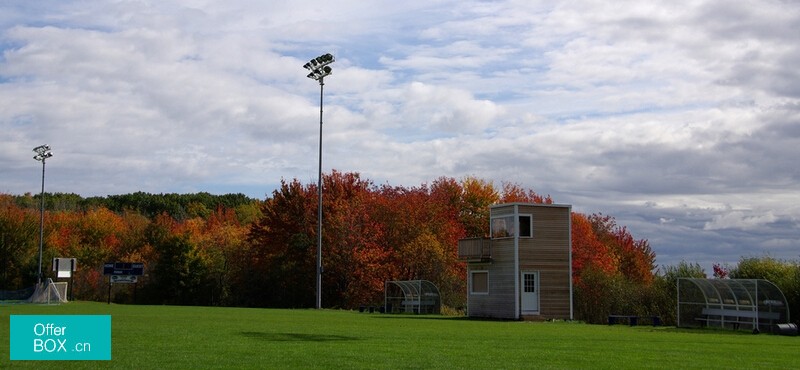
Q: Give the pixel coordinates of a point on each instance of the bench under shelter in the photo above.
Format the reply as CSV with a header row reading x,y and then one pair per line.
x,y
412,296
739,304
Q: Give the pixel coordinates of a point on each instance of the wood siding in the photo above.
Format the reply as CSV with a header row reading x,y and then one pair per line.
x,y
475,249
501,283
547,252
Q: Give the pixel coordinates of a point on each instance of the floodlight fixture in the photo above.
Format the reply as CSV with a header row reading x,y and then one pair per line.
x,y
42,157
42,153
319,68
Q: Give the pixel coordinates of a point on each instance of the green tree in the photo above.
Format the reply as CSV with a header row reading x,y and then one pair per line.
x,y
784,274
179,272
664,290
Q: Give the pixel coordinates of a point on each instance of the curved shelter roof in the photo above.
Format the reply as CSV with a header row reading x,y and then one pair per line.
x,y
412,296
754,304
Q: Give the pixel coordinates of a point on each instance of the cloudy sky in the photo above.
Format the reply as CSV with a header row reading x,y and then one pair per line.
x,y
681,119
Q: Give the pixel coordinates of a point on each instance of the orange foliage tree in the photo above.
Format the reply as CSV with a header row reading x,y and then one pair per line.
x,y
477,196
636,259
588,252
612,271
515,193
92,237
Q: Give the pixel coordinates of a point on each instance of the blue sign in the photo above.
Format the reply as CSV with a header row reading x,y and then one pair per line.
x,y
123,268
60,337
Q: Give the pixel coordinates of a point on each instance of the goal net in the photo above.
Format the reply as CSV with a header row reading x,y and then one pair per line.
x,y
49,292
12,296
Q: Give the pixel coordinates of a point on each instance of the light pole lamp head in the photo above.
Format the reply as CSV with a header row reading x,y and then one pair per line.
x,y
42,152
319,66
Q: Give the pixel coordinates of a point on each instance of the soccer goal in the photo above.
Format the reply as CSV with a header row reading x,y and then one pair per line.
x,y
49,292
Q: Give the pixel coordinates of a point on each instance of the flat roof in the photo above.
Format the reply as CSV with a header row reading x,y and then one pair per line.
x,y
531,205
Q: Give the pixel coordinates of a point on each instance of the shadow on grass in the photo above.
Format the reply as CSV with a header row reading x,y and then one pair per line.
x,y
684,330
419,317
296,337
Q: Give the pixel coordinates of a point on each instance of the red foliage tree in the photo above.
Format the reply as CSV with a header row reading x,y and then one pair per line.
x,y
515,193
356,259
280,266
720,272
636,259
588,252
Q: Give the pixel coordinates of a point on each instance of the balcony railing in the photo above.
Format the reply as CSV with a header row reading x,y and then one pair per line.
x,y
475,249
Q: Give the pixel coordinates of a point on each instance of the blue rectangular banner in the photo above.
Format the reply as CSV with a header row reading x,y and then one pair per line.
x,y
60,337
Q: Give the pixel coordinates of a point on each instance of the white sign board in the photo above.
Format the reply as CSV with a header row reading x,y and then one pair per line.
x,y
124,279
64,267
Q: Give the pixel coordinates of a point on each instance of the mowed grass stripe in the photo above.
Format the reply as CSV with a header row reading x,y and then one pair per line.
x,y
158,337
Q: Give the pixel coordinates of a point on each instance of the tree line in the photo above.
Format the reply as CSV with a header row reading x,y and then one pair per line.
x,y
231,250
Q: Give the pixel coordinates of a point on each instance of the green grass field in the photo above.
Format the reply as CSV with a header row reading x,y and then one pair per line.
x,y
158,337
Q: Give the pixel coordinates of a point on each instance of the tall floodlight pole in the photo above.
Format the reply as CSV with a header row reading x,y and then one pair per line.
x,y
42,153
319,70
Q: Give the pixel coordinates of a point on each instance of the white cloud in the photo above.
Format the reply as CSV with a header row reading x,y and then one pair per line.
x,y
739,220
445,109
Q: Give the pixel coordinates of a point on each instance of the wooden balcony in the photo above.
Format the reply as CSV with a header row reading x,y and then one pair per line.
x,y
475,250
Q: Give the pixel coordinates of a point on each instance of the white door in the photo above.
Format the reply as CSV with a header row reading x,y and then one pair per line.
x,y
530,292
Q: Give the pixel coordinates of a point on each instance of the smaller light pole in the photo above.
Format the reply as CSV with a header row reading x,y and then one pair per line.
x,y
319,70
42,153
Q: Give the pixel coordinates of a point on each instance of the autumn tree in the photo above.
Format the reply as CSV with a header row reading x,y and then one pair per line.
x,y
612,271
636,259
92,237
223,244
179,271
355,258
281,262
18,235
232,250
370,235
477,196
588,252
515,193
423,227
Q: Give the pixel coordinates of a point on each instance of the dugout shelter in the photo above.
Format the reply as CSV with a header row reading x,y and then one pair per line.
x,y
739,304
